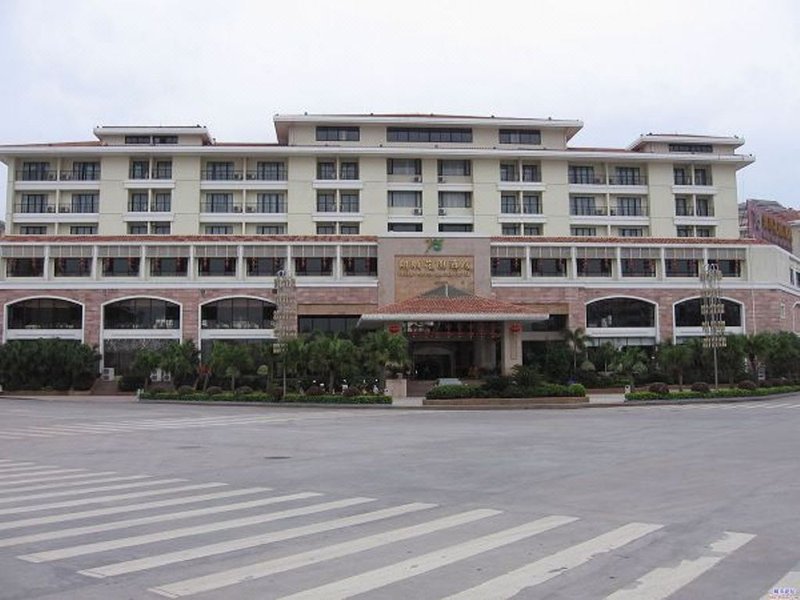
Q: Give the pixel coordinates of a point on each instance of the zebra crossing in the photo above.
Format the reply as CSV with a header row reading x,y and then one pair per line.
x,y
159,544
162,424
756,405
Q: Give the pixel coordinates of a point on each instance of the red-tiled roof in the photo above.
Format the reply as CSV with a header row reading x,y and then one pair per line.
x,y
55,144
645,241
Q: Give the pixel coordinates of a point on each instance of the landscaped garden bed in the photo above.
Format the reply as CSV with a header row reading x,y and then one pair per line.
x,y
745,389
262,397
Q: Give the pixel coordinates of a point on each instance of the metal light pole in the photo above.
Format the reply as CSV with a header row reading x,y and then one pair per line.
x,y
713,311
285,315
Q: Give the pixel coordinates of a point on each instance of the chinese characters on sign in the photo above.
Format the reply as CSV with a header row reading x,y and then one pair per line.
x,y
434,267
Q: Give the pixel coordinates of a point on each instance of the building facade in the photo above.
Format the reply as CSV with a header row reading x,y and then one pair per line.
x,y
480,237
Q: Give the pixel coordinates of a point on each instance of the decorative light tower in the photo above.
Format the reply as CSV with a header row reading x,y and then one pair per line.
x,y
713,312
285,315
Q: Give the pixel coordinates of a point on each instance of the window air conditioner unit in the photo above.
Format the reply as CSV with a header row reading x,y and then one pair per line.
x,y
63,209
51,209
442,212
417,178
251,209
237,209
417,211
108,374
442,179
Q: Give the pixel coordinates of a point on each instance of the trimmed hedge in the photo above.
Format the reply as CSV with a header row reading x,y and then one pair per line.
x,y
263,397
477,391
722,393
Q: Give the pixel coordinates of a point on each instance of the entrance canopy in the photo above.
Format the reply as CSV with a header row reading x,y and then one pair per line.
x,y
447,303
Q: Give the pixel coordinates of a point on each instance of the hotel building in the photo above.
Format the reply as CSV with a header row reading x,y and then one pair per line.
x,y
480,237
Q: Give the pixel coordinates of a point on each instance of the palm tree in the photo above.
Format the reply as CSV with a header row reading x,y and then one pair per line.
x,y
179,359
576,341
631,361
675,358
331,356
381,351
757,347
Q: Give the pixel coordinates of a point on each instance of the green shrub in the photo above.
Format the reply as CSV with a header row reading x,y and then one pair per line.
x,y
576,389
658,388
746,384
455,391
442,392
334,399
700,386
276,393
130,383
244,389
314,390
497,383
351,392
186,390
213,390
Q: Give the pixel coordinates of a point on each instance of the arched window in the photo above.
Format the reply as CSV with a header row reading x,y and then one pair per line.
x,y
620,312
142,313
237,313
688,313
45,313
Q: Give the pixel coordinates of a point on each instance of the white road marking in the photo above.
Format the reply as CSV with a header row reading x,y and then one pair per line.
x,y
662,582
24,465
105,488
114,510
160,518
39,479
512,583
215,581
171,534
49,471
786,587
169,558
50,486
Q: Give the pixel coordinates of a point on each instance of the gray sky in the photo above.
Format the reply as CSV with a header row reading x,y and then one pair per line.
x,y
624,67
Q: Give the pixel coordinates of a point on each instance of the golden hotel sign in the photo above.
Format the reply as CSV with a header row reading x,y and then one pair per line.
x,y
425,266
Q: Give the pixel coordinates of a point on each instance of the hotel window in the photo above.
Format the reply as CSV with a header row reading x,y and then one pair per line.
x,y
404,227
684,231
548,267
627,176
160,228
405,199
582,175
137,228
531,230
728,267
326,324
681,176
162,202
509,203
218,203
584,231
169,267
638,267
326,170
137,202
33,203
583,206
702,176
455,199
520,136
506,267
510,229
693,148
138,139
348,202
33,230
683,207
84,203
682,267
219,229
349,228
326,201
271,171
163,169
508,172
454,168
265,265
25,267
271,229
428,134
313,266
348,170
271,202
220,171
326,228
531,204
704,232
403,166
631,232
159,140
36,171
140,169
703,206
629,206
455,227
530,173
121,267
594,267
72,267
85,171
338,134
360,267
216,267
83,230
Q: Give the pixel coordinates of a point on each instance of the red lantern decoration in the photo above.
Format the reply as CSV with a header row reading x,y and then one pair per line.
x,y
394,328
515,328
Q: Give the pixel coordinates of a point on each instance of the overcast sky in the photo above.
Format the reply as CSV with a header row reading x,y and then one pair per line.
x,y
719,67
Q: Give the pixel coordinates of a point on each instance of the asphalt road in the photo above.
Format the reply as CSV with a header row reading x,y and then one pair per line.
x,y
125,501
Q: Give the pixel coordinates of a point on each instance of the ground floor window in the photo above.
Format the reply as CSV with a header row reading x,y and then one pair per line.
x,y
326,323
45,313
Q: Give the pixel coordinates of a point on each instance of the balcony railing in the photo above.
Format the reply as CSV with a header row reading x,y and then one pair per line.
x,y
34,208
586,179
628,211
218,207
266,208
627,180
36,175
80,175
78,208
684,211
687,180
212,175
262,175
588,211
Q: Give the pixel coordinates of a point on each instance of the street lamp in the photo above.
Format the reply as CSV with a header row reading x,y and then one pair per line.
x,y
713,311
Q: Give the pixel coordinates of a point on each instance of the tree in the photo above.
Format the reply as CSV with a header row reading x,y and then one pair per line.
x,y
381,351
630,362
331,357
576,341
145,362
230,360
179,359
604,355
675,359
756,347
